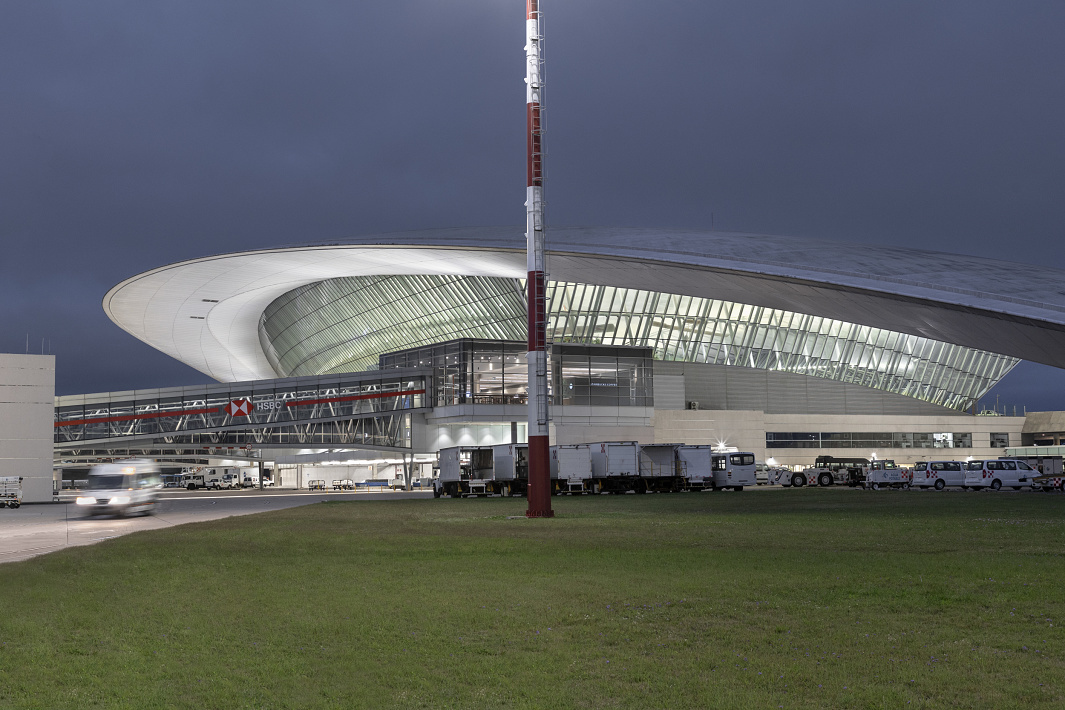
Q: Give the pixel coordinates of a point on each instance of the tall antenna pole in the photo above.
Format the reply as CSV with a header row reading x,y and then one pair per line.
x,y
539,434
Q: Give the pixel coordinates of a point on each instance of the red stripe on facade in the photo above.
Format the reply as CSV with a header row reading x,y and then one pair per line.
x,y
133,417
158,415
532,9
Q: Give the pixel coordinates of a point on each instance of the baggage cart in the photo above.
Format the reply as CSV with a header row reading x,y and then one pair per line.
x,y
11,491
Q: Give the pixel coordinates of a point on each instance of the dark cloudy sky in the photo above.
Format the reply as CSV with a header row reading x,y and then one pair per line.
x,y
142,132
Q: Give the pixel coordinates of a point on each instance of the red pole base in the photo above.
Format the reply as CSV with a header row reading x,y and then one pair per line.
x,y
539,479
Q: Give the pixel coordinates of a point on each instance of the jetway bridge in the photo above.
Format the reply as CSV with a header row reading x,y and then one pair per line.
x,y
367,410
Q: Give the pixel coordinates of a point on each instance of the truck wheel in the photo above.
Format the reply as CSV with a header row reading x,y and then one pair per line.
x,y
905,486
996,484
798,481
825,479
191,486
738,489
940,484
876,486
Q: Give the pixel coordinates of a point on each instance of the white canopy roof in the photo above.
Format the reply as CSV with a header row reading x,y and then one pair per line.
x,y
205,312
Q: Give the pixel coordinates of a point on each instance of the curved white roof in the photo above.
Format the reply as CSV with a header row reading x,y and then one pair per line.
x,y
205,312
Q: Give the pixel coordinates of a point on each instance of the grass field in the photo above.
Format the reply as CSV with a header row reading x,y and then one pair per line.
x,y
805,598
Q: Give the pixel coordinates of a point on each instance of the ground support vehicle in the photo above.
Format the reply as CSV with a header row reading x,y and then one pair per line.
x,y
615,466
466,471
122,487
938,474
510,468
698,466
660,469
571,469
831,470
996,473
785,477
10,491
1050,475
192,481
316,485
1048,483
734,470
208,478
886,477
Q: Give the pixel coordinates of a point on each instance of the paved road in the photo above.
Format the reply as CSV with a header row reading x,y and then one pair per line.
x,y
38,529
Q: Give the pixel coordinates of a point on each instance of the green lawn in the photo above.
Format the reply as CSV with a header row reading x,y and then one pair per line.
x,y
785,598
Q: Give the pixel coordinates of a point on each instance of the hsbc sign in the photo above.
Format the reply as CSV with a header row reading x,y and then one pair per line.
x,y
239,408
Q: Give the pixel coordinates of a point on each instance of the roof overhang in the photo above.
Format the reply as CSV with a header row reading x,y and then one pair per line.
x,y
205,312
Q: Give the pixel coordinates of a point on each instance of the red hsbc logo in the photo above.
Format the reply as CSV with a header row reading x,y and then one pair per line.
x,y
239,408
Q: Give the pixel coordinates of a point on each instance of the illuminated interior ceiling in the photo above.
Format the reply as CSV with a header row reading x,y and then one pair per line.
x,y
342,325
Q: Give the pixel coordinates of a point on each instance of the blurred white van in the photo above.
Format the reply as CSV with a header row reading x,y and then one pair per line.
x,y
122,487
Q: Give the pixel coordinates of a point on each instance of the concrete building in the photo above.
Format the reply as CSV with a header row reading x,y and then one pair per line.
x,y
27,394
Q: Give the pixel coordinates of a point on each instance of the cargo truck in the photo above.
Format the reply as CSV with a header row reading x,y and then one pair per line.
x,y
466,471
571,468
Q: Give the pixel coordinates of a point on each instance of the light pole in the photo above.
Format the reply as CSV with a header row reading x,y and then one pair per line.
x,y
539,434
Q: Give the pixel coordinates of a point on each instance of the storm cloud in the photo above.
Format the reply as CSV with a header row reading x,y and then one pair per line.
x,y
138,134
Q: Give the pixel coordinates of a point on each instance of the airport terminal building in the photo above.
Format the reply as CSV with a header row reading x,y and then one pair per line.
x,y
790,348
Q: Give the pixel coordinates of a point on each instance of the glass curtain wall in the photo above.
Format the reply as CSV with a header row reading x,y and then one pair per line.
x,y
693,329
342,325
493,372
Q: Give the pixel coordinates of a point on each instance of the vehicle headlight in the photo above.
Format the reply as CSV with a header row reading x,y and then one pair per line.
x,y
120,500
86,500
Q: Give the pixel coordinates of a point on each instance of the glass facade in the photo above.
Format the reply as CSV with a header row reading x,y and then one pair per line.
x,y
867,440
494,372
343,324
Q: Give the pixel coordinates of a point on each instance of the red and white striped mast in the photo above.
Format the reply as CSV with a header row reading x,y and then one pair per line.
x,y
539,434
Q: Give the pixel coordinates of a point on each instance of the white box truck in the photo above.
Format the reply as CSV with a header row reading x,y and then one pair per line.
x,y
571,467
697,462
465,471
510,468
615,466
659,469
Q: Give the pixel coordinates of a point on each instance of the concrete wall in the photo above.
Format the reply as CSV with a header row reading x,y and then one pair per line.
x,y
746,388
746,431
27,401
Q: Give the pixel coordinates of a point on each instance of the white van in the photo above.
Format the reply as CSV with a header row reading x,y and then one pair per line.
x,y
122,487
995,473
938,474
